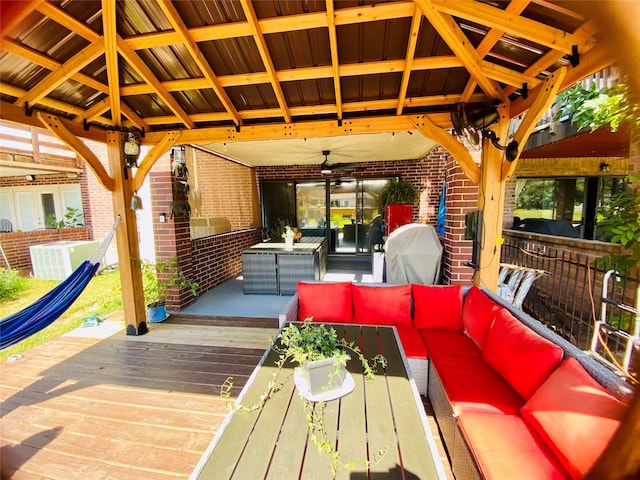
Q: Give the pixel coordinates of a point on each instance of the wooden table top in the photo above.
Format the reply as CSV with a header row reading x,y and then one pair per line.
x,y
381,414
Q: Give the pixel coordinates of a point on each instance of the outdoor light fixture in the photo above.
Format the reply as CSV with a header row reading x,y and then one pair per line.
x,y
131,150
511,149
325,169
605,167
29,178
162,217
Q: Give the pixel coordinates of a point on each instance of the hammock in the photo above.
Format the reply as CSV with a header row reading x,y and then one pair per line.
x,y
49,307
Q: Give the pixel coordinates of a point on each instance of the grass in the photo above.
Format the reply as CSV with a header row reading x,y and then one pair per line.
x,y
102,296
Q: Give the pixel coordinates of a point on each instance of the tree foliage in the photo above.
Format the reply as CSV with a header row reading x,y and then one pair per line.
x,y
621,222
593,107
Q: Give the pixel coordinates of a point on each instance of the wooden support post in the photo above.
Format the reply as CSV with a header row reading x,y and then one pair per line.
x,y
491,203
126,238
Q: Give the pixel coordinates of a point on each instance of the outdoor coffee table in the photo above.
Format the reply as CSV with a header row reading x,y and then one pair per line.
x,y
384,413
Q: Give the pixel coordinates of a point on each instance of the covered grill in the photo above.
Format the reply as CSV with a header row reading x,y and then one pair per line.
x,y
413,255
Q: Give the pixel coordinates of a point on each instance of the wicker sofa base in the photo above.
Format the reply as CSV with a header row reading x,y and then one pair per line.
x,y
462,463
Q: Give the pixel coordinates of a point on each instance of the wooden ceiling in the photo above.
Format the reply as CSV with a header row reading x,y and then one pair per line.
x,y
238,70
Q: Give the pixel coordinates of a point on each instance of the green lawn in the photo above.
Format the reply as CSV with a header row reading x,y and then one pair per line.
x,y
102,296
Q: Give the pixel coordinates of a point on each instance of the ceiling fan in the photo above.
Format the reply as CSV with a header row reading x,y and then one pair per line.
x,y
327,168
472,124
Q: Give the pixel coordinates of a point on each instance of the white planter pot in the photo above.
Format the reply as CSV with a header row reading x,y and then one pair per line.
x,y
319,374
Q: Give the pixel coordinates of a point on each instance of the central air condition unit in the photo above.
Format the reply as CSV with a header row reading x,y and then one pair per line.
x,y
57,260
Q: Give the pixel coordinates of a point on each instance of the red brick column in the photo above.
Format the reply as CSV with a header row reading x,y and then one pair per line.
x,y
462,197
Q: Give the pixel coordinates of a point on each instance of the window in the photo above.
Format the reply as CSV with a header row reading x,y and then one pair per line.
x,y
562,206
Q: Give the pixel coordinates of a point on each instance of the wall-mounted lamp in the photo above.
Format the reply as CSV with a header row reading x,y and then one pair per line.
x,y
162,217
29,178
511,149
131,150
605,167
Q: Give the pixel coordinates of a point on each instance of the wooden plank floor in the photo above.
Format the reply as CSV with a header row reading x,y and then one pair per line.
x,y
124,407
97,404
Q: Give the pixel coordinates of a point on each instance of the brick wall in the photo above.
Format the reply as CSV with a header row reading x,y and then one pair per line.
x,y
461,198
97,200
226,189
427,174
16,244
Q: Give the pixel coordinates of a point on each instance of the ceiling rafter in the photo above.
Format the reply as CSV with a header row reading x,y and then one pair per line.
x,y
411,51
335,61
258,37
515,7
552,56
512,23
61,74
45,102
453,36
63,18
111,59
145,72
50,64
185,38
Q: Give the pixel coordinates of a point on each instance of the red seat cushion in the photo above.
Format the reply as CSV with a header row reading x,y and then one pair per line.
x,y
473,387
505,447
382,305
575,416
412,342
478,312
449,345
437,307
325,302
521,356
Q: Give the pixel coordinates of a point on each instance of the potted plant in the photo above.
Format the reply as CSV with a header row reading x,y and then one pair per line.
x,y
397,198
157,278
318,352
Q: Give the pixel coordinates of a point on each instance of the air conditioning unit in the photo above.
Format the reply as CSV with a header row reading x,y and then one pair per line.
x,y
57,260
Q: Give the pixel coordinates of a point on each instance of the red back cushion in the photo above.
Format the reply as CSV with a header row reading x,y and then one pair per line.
x,y
478,312
325,302
521,356
574,415
437,307
382,305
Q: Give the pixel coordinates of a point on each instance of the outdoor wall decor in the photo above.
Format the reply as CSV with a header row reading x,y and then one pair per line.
x,y
180,207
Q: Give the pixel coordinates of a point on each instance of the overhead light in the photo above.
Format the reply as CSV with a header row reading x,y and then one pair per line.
x,y
605,167
325,169
29,178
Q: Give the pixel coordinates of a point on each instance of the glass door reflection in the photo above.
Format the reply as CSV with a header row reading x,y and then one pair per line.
x,y
311,210
342,213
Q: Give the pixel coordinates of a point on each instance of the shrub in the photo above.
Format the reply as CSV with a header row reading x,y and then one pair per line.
x,y
11,284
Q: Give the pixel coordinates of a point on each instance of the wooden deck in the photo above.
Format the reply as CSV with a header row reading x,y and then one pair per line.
x,y
124,407
97,404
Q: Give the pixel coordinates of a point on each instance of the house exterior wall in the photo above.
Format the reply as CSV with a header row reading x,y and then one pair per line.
x,y
428,174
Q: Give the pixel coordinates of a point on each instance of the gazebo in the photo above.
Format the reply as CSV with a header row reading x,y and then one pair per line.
x,y
226,72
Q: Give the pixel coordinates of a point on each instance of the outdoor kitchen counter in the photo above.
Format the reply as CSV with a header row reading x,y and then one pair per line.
x,y
270,267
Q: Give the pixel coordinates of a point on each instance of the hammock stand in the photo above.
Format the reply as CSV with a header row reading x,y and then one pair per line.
x,y
42,313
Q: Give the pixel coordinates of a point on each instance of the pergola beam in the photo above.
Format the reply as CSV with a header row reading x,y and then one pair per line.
x,y
160,148
197,56
451,144
57,128
261,44
543,98
453,36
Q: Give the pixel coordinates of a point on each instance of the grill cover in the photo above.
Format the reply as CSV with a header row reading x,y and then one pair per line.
x,y
413,255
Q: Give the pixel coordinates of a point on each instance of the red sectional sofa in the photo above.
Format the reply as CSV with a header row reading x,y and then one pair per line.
x,y
511,398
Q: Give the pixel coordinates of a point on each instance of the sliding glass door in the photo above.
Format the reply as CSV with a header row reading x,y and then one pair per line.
x,y
346,211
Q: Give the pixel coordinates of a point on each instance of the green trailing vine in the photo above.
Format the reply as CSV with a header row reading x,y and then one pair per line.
x,y
300,343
